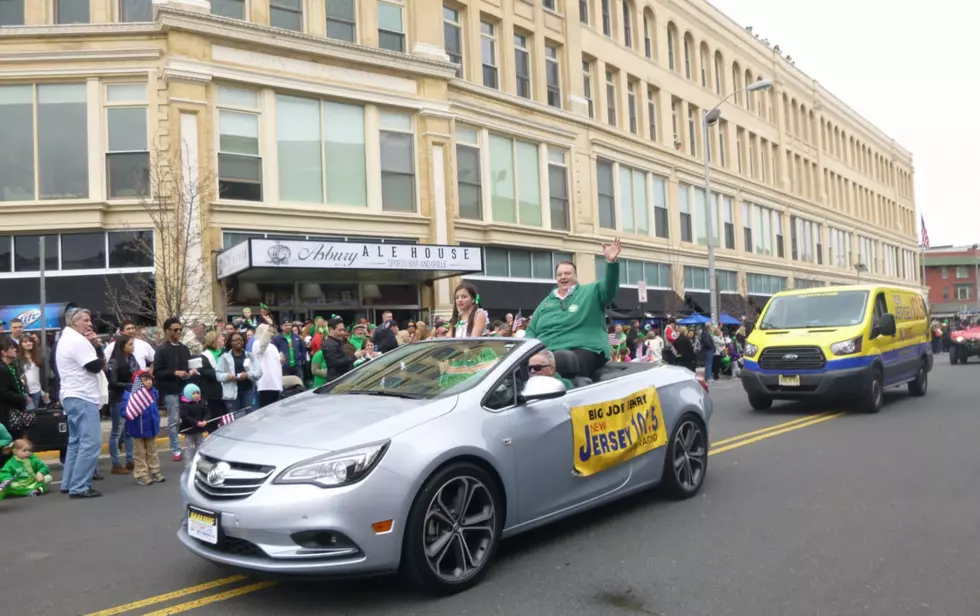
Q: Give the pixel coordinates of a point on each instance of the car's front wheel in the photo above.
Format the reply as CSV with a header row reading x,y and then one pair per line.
x,y
453,530
953,355
687,457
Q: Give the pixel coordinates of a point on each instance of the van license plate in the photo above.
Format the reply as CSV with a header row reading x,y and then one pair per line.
x,y
202,525
789,381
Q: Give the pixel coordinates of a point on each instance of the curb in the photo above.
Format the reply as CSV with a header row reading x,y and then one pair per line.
x,y
53,458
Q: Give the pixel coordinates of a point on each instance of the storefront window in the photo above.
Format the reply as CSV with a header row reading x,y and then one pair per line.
x,y
27,253
81,251
130,249
343,137
6,260
520,263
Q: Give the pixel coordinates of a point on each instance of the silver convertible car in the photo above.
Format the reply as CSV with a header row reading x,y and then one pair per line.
x,y
422,460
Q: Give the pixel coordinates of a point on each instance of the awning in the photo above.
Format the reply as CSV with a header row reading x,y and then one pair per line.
x,y
732,303
755,305
697,301
499,297
258,259
54,316
660,303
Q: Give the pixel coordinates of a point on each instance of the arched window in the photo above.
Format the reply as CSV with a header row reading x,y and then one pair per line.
x,y
705,58
649,34
628,23
688,55
672,46
749,96
719,73
737,82
804,133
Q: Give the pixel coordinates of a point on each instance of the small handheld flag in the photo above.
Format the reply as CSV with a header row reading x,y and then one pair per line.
x,y
140,398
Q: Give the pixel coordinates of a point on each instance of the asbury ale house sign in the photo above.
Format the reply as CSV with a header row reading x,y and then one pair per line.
x,y
356,255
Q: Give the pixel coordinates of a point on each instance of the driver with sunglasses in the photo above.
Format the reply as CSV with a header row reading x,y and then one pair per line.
x,y
572,318
543,364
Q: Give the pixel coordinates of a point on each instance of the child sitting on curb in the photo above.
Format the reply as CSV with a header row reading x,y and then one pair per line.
x,y
24,474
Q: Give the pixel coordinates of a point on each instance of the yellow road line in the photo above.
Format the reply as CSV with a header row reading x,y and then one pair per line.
x,y
742,443
739,437
221,596
169,596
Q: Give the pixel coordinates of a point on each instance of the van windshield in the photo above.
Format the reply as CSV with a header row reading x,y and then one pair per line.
x,y
819,309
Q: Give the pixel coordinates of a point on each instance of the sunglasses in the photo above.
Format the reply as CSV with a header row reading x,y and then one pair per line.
x,y
538,367
176,330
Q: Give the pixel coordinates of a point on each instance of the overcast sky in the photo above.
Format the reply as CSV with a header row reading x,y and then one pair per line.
x,y
910,69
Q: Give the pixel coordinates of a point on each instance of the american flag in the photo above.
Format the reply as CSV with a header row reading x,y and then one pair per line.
x,y
925,234
519,320
228,418
140,398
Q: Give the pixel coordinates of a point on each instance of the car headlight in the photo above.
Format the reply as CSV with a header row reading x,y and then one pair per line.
x,y
335,469
846,347
750,349
959,338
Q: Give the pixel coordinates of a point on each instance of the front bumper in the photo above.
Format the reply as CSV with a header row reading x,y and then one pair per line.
x,y
304,530
967,348
833,384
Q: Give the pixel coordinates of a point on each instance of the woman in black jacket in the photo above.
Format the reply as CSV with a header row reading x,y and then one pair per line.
x,y
13,394
685,351
207,379
122,367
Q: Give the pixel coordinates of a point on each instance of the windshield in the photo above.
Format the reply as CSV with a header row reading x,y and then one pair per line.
x,y
425,370
820,309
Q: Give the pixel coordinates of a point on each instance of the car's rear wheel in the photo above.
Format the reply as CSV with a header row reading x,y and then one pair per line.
x,y
954,355
687,457
453,530
759,402
920,385
874,395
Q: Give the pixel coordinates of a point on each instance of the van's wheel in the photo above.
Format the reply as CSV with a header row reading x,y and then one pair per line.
x,y
686,461
874,395
760,402
453,530
920,385
953,355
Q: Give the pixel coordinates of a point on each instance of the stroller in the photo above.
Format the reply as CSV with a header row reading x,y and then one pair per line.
x,y
291,386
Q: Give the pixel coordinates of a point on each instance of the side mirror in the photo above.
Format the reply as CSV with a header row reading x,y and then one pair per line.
x,y
542,388
886,325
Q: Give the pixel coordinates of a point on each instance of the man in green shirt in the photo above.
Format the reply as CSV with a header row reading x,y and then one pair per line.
x,y
572,318
358,337
543,364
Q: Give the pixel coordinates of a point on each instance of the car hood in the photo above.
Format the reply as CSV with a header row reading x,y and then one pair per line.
x,y
814,336
966,334
326,422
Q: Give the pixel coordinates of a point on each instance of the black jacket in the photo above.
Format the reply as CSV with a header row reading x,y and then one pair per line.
x,y
338,361
207,380
10,396
170,358
120,379
193,412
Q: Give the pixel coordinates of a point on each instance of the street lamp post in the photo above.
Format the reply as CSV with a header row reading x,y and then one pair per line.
x,y
709,118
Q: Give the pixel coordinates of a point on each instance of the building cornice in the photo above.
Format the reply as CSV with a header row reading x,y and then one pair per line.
x,y
289,43
79,30
80,55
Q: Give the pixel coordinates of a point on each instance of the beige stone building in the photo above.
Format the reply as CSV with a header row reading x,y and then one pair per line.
x,y
502,135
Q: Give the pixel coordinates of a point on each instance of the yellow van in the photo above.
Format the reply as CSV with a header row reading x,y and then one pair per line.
x,y
848,342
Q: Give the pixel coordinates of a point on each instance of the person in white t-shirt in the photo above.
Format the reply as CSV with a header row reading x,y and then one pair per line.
x,y
80,359
142,350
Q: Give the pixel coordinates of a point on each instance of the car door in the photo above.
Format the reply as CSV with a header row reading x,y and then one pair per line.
x,y
887,346
544,450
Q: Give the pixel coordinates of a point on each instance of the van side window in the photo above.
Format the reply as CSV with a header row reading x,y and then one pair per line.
x,y
881,307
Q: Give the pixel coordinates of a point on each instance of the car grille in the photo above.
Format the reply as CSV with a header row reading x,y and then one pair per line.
x,y
240,481
239,547
792,358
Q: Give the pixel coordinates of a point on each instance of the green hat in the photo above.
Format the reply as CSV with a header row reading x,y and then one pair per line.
x,y
263,307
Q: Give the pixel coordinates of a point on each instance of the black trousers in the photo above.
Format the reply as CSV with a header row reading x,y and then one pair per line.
x,y
588,363
268,396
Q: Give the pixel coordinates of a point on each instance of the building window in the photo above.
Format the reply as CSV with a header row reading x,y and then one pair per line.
x,y
633,205
746,227
606,18
58,167
722,143
341,20
696,278
522,263
27,253
762,284
627,24
452,32
687,57
583,11
552,67
130,249
945,273
522,66
127,158
82,251
12,14
661,217
719,65
692,130
611,98
488,51
647,38
777,227
239,161
397,162
77,251
558,190
945,294
550,5
631,106
962,272
234,9
287,14
684,206
652,95
129,10
340,172
469,181
963,291
71,11
728,220
516,188
587,87
391,26
805,239
607,194
738,148
671,43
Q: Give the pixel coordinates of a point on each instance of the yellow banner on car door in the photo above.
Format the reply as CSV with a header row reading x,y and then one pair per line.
x,y
609,433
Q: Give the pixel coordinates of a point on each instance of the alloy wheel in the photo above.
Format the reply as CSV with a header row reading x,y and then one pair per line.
x,y
690,455
459,529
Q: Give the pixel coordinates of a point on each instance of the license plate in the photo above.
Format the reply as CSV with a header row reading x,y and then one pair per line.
x,y
789,381
202,525
62,427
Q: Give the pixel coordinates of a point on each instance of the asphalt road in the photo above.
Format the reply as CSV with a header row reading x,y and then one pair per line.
x,y
836,514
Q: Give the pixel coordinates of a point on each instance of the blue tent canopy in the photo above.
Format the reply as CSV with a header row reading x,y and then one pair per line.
x,y
54,315
727,319
695,319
